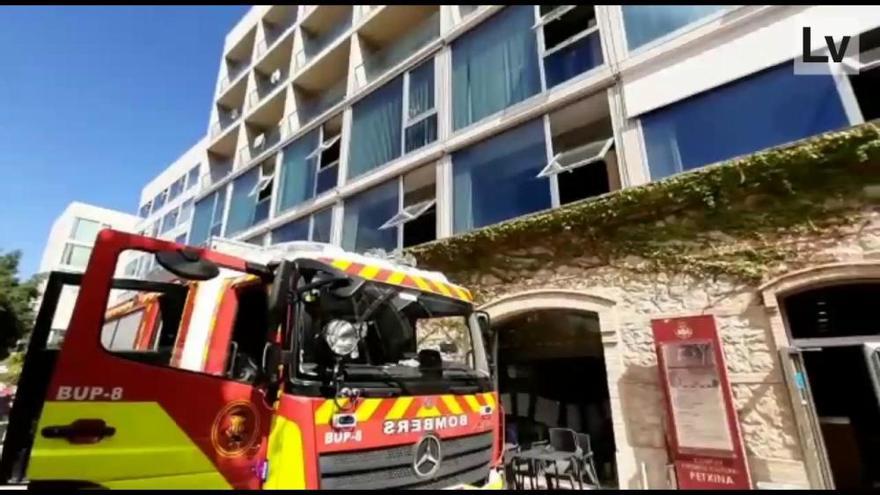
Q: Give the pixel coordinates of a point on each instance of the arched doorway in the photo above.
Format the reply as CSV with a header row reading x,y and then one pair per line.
x,y
835,332
551,370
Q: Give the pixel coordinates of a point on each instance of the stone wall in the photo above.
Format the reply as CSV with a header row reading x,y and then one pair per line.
x,y
628,262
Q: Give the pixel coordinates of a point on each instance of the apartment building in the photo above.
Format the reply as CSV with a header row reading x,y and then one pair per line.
x,y
69,247
166,202
389,126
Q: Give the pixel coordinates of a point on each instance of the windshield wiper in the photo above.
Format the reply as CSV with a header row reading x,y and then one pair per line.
x,y
370,374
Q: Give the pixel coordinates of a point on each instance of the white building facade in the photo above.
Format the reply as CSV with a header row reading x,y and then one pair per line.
x,y
388,126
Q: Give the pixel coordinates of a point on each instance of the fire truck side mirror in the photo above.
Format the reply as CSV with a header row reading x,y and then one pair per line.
x,y
187,264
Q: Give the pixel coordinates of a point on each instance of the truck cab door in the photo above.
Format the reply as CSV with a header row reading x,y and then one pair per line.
x,y
40,357
119,416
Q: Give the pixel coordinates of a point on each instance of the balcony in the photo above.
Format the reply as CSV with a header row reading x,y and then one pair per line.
x,y
277,22
266,85
237,60
226,118
362,11
218,168
391,37
261,141
321,29
310,106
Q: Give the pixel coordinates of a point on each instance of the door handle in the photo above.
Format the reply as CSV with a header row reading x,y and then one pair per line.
x,y
81,431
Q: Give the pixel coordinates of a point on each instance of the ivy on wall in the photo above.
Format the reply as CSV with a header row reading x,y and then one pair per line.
x,y
723,219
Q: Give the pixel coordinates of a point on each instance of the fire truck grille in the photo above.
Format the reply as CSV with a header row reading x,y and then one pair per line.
x,y
465,460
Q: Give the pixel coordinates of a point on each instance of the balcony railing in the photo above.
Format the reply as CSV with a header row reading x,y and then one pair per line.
x,y
322,102
226,119
315,45
233,73
379,62
267,85
273,33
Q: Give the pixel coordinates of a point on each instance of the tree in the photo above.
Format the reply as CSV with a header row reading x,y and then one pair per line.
x,y
16,302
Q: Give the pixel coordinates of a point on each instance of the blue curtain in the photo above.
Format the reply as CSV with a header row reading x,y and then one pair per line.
x,y
495,180
766,109
365,213
297,174
297,230
645,23
376,128
323,221
201,222
421,89
574,59
495,65
243,203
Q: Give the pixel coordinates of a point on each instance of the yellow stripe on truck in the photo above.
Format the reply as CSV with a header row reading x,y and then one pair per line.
x,y
399,408
287,469
366,409
148,449
451,404
472,403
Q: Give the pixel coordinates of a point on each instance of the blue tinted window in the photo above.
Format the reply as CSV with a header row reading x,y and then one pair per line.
x,y
365,213
322,222
495,179
297,172
243,204
204,222
376,128
763,110
574,59
192,177
495,65
297,230
645,23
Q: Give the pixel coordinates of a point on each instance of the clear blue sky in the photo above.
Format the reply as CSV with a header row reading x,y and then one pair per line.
x,y
95,102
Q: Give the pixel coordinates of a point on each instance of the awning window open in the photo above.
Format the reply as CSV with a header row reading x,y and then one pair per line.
x,y
409,213
577,157
323,146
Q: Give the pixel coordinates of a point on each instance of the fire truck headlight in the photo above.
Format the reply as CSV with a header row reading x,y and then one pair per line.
x,y
342,337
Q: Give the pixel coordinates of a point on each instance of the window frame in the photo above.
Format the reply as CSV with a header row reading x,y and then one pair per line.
x,y
407,121
402,217
163,227
554,167
180,184
190,179
311,225
67,251
317,154
76,222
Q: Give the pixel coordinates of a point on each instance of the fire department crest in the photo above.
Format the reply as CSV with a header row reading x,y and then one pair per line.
x,y
236,429
683,331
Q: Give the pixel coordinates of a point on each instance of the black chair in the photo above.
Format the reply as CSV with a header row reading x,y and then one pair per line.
x,y
564,440
587,461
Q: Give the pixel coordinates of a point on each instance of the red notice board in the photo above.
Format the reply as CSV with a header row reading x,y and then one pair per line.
x,y
702,430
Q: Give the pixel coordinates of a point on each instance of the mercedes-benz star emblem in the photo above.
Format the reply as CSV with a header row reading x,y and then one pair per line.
x,y
427,456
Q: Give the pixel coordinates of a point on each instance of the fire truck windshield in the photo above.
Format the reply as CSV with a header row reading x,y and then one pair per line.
x,y
402,335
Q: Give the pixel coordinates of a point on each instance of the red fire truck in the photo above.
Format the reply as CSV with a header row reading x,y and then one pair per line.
x,y
300,366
